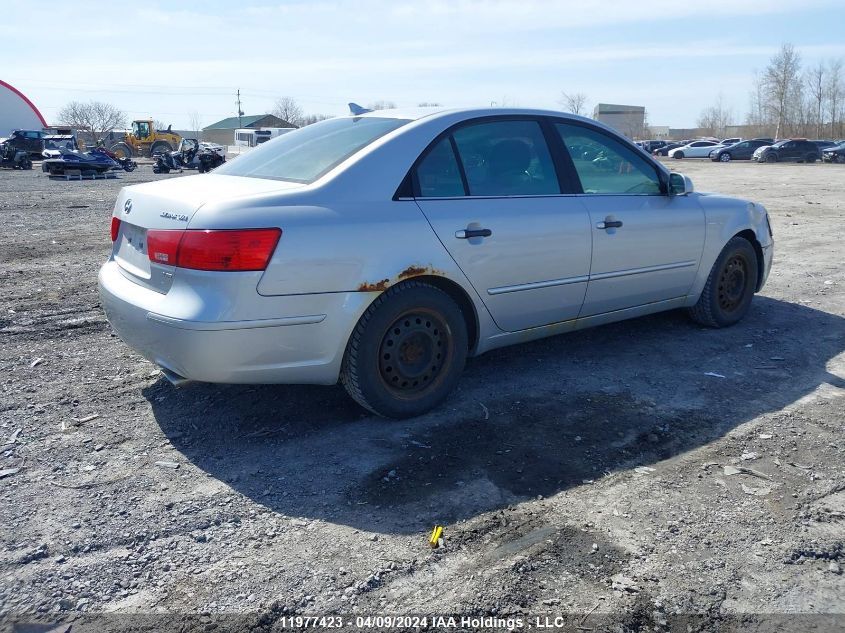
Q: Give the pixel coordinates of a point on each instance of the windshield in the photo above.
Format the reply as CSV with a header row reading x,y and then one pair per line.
x,y
781,143
309,152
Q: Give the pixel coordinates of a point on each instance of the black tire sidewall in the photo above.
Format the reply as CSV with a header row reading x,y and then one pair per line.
x,y
742,246
376,393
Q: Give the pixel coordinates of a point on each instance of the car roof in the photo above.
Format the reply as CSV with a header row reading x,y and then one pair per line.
x,y
436,112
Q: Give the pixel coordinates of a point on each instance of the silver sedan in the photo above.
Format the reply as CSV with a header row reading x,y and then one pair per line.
x,y
384,249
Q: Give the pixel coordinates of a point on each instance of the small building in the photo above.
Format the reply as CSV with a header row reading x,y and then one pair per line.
x,y
223,132
17,112
625,119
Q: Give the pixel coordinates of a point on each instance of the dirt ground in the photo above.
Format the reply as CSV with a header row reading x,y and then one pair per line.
x,y
646,475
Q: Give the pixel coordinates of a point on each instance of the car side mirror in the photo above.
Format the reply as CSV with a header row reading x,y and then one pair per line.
x,y
679,185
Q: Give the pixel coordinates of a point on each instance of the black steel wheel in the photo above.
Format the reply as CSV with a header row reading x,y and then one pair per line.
x,y
413,352
730,287
733,281
407,351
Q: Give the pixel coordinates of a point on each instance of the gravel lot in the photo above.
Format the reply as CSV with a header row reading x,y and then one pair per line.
x,y
601,475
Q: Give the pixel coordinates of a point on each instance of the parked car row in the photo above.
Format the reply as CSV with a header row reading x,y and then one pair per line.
x,y
761,150
834,154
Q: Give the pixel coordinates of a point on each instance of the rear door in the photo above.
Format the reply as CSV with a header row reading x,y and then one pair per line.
x,y
788,151
492,194
646,244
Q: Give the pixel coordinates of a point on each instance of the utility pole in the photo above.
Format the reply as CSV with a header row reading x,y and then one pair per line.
x,y
240,112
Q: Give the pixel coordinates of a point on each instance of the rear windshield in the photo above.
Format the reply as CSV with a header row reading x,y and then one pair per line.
x,y
306,154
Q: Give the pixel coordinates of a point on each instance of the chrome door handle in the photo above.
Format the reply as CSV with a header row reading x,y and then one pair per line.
x,y
609,224
465,234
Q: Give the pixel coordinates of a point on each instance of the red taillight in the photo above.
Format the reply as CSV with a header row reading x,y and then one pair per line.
x,y
236,250
163,246
115,228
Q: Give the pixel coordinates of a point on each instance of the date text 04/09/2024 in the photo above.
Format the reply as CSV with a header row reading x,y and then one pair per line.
x,y
404,621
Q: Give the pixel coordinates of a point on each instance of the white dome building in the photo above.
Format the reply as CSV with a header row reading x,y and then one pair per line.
x,y
17,112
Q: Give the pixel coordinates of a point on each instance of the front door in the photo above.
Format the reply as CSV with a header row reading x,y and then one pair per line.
x,y
646,244
492,195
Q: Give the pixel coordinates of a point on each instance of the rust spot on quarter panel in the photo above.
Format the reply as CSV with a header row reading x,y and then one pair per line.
x,y
379,286
414,271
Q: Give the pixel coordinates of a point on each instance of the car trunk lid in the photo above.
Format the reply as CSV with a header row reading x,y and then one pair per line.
x,y
170,204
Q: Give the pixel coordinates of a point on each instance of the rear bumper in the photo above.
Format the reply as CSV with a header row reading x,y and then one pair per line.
x,y
298,339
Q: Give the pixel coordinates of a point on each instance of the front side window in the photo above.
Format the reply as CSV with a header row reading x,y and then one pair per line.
x,y
607,166
310,152
438,174
506,158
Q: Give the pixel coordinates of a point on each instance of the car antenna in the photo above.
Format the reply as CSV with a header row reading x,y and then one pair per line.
x,y
355,109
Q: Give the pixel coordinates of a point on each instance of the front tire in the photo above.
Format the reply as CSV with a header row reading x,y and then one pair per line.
x,y
771,158
122,150
678,155
407,351
725,158
730,286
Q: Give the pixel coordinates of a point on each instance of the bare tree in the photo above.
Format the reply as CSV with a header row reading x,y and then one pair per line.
x,y
95,117
382,105
289,110
815,84
308,119
715,119
757,112
576,103
780,79
429,104
835,91
195,121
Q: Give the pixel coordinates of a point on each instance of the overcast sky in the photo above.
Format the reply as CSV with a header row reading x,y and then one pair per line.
x,y
164,60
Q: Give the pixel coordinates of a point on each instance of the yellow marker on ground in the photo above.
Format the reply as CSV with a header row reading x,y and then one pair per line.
x,y
436,533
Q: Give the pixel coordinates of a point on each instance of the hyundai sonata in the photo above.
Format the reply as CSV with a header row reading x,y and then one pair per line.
x,y
383,249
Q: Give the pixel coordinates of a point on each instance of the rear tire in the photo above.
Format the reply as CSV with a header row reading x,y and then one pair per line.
x,y
730,286
122,150
407,351
160,147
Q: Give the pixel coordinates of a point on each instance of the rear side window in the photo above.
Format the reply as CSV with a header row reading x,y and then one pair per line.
x,y
438,174
506,158
606,166
309,152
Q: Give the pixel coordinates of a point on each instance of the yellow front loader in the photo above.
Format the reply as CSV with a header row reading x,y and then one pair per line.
x,y
145,140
